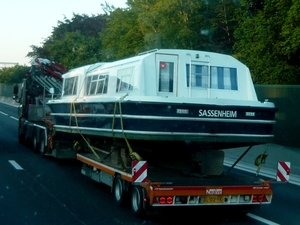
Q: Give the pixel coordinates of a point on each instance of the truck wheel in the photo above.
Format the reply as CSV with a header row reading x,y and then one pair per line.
x,y
21,136
42,144
35,144
119,190
137,201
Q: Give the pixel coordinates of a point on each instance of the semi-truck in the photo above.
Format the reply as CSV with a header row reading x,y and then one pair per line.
x,y
150,179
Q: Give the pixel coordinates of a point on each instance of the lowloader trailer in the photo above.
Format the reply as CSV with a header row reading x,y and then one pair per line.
x,y
150,186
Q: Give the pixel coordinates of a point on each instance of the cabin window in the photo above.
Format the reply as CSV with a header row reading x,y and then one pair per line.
x,y
198,75
220,77
70,86
223,78
124,80
93,84
102,84
96,84
166,76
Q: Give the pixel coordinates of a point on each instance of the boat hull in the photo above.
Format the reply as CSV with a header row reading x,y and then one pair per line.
x,y
209,126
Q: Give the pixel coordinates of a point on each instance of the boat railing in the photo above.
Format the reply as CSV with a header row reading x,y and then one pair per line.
x,y
147,52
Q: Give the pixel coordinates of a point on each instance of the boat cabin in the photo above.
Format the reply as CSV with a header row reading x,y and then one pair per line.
x,y
163,73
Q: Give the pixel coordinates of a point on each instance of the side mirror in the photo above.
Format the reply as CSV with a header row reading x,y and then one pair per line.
x,y
16,90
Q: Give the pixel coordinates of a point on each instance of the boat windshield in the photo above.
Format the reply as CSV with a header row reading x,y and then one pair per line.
x,y
96,84
70,86
125,80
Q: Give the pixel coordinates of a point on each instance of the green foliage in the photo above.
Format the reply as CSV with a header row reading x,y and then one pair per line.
x,y
264,34
73,42
11,75
189,24
223,20
266,42
290,33
121,37
73,50
171,24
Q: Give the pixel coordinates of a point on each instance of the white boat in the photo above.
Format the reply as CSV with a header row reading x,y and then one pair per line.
x,y
167,96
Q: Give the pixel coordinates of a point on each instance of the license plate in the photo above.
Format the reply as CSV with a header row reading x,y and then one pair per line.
x,y
213,199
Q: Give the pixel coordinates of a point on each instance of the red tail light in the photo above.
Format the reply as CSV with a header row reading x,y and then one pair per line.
x,y
169,200
162,200
165,200
259,198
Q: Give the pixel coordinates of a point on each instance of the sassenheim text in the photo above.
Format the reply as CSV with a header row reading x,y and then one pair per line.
x,y
217,113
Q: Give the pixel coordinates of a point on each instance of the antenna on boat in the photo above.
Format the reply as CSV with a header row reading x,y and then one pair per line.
x,y
150,51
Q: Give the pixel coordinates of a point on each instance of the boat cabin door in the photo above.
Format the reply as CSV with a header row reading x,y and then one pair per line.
x,y
167,73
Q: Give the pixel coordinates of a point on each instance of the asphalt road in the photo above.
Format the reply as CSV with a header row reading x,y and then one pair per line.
x,y
36,190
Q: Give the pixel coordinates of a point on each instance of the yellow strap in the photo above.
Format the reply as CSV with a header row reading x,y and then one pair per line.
x,y
91,147
131,152
122,127
114,115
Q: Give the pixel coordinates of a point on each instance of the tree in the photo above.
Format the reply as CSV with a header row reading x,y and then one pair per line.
x,y
264,44
122,36
223,17
171,24
73,42
149,24
11,75
74,50
261,33
290,33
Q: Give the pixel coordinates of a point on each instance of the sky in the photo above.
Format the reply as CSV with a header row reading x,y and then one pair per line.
x,y
28,22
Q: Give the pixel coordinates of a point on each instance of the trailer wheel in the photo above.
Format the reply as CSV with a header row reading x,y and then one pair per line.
x,y
118,190
137,201
42,144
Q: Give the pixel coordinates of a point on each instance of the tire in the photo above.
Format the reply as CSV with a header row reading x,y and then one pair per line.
x,y
21,136
119,192
42,144
137,201
35,143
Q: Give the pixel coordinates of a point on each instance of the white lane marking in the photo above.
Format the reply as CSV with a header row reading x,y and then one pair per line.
x,y
14,118
15,164
14,105
4,113
260,219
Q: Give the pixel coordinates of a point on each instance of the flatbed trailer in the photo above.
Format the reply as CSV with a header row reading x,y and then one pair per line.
x,y
165,187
